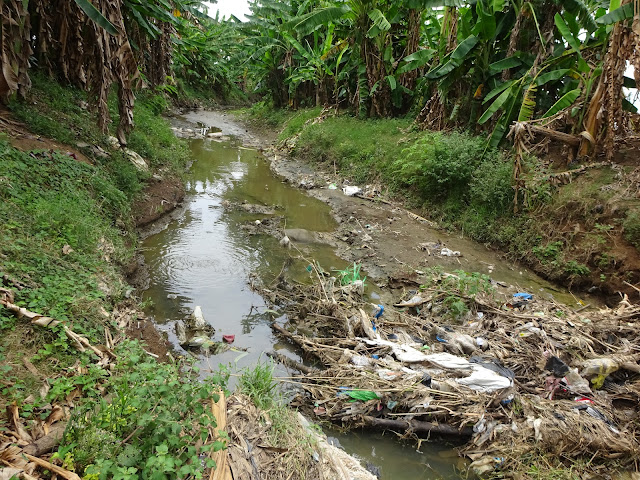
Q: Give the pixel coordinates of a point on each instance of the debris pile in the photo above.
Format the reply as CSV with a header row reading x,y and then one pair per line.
x,y
512,374
301,452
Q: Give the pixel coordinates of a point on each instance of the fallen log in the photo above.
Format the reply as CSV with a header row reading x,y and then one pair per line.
x,y
288,362
573,140
221,471
416,426
48,442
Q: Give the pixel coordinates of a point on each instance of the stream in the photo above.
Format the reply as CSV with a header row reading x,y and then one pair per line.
x,y
204,257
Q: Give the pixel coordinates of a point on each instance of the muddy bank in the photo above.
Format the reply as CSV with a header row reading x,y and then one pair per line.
x,y
383,236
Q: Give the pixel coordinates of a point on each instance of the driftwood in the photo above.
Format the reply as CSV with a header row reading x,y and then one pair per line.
x,y
61,472
288,362
81,343
416,426
48,442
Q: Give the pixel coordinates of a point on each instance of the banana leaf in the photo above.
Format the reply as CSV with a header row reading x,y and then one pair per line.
x,y
94,14
564,102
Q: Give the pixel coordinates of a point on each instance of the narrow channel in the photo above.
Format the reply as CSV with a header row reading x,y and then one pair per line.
x,y
205,257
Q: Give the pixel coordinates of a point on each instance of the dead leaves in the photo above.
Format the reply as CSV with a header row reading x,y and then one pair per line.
x,y
19,447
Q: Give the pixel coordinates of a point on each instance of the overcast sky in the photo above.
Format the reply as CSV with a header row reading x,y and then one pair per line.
x,y
229,7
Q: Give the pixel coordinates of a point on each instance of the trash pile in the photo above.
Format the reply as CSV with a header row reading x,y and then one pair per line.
x,y
512,374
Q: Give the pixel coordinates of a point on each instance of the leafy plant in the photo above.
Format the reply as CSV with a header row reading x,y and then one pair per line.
x,y
154,423
351,275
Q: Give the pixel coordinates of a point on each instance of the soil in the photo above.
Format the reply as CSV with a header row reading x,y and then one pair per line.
x,y
145,330
160,197
386,237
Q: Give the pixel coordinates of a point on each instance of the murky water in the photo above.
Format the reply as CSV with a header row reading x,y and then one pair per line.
x,y
205,258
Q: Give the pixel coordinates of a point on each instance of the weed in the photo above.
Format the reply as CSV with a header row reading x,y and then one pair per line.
x,y
258,384
152,425
351,275
549,252
631,227
576,269
603,228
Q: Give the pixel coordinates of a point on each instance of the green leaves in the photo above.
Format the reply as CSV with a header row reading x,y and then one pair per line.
x,y
565,102
495,106
93,13
380,23
564,30
618,15
455,59
307,23
416,60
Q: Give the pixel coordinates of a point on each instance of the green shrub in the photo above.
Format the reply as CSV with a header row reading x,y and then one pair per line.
x,y
631,226
491,185
153,425
441,165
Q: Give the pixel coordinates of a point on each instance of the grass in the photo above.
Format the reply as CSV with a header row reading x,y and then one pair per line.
x,y
283,427
66,234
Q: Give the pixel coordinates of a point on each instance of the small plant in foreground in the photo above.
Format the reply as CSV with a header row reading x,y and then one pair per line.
x,y
154,422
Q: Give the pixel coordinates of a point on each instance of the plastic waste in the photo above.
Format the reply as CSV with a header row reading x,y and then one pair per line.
x,y
445,252
486,464
463,342
389,375
482,343
530,329
507,401
599,369
494,365
557,367
524,296
414,301
599,366
360,361
333,186
597,414
426,380
229,338
351,190
484,380
576,383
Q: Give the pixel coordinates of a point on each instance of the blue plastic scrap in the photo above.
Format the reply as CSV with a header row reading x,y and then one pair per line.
x,y
524,296
379,311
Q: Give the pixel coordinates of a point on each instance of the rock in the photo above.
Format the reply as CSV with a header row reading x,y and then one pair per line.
x,y
139,162
301,235
181,333
214,134
285,242
197,318
113,142
82,145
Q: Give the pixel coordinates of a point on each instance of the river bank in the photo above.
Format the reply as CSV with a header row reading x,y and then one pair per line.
x,y
318,326
575,224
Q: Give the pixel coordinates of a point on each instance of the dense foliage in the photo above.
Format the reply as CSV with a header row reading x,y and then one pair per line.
x,y
481,64
475,64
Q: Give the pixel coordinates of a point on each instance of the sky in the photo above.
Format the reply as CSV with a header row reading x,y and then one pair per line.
x,y
229,7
